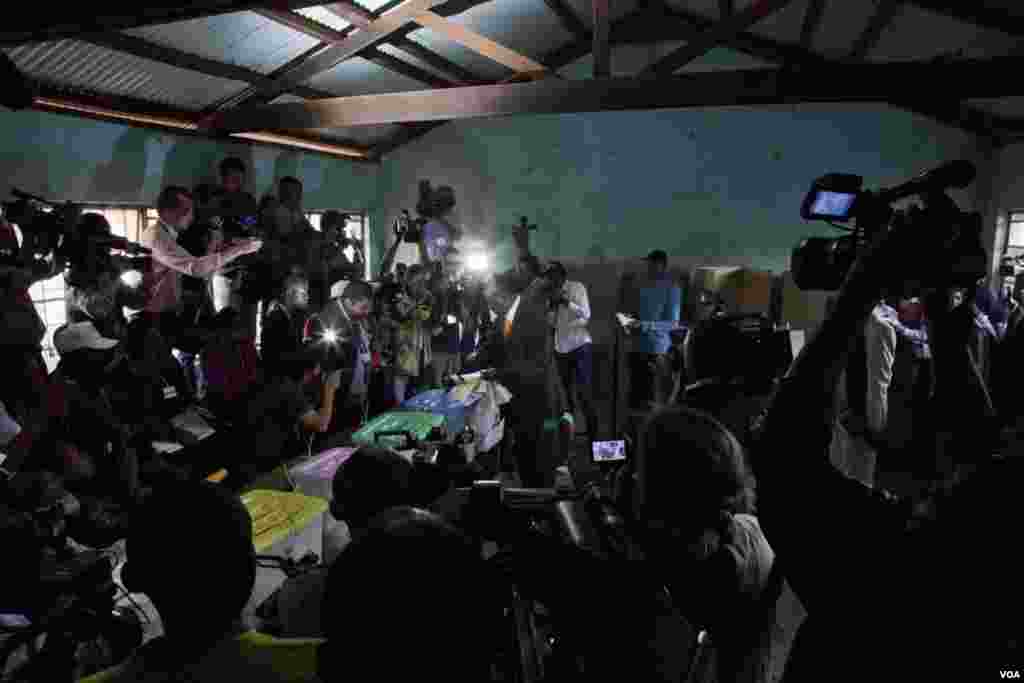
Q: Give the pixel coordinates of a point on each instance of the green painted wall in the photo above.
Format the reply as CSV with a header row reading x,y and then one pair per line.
x,y
66,157
711,187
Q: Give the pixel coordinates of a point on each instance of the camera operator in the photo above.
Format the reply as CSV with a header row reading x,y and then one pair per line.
x,y
413,309
284,322
934,600
228,207
332,264
93,285
569,315
169,261
24,386
695,506
538,414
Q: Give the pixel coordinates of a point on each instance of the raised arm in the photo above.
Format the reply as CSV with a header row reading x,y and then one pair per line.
x,y
170,254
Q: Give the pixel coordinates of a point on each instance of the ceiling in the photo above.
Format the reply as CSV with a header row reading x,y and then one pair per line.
x,y
180,65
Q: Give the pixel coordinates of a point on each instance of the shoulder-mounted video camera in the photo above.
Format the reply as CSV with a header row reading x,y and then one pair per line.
x,y
822,262
47,221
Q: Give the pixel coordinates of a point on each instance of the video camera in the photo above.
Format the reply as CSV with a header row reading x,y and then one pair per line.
x,y
823,262
46,220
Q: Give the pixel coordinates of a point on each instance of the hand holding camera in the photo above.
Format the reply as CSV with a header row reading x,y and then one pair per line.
x,y
246,246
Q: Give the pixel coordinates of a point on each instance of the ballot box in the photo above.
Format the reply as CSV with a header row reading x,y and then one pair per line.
x,y
286,525
313,477
384,429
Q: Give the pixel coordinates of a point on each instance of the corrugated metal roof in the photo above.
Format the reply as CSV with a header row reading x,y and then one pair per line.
x,y
243,38
358,76
324,17
76,66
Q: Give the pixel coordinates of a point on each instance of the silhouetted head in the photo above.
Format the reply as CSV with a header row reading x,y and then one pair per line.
x,y
690,470
190,549
232,175
411,579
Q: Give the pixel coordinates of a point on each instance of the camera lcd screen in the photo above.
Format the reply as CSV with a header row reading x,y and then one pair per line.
x,y
609,451
832,204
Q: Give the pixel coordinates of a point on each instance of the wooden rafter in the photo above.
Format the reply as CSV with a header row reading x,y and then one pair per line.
x,y
659,23
949,111
836,83
885,12
457,33
719,33
979,13
812,20
335,53
140,114
568,18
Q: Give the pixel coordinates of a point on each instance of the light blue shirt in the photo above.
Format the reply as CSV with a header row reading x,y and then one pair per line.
x,y
659,308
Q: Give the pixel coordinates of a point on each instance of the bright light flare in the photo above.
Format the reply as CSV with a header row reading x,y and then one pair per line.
x,y
132,278
477,261
330,337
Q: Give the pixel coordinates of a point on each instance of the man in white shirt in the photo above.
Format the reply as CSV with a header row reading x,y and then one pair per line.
x,y
169,261
569,315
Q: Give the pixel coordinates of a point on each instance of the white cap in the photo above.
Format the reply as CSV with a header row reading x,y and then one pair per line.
x,y
75,336
338,288
9,429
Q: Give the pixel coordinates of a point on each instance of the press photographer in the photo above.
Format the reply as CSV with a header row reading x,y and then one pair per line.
x,y
96,261
920,588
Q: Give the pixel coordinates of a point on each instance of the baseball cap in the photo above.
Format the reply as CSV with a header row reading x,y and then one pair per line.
x,y
84,335
657,255
9,429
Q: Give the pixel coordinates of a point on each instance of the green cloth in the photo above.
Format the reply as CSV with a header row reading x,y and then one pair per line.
x,y
419,423
250,657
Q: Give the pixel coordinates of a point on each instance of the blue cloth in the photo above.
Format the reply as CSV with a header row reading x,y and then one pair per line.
x,y
437,402
996,308
437,237
660,301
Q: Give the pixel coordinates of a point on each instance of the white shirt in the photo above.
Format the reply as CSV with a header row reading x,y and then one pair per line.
x,y
880,335
169,262
571,321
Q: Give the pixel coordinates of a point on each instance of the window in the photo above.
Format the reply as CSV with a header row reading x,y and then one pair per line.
x,y
1016,230
356,227
48,295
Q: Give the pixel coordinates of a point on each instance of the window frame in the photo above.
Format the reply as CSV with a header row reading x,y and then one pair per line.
x,y
1014,217
313,216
